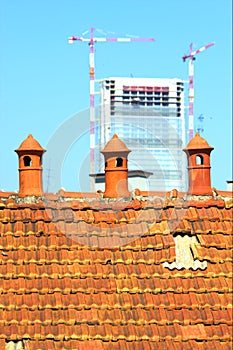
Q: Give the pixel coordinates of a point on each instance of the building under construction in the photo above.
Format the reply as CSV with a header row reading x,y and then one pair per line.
x,y
148,115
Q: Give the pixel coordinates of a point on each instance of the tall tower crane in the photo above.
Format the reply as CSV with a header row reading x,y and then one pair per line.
x,y
91,41
191,57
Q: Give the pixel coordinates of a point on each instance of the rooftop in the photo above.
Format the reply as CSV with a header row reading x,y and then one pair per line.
x,y
85,271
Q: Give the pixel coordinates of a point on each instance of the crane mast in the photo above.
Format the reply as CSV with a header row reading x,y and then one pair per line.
x,y
91,41
191,58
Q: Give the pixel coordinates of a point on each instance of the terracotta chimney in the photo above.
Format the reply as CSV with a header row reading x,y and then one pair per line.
x,y
116,168
198,152
30,167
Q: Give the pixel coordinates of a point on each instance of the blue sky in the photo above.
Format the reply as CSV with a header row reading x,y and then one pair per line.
x,y
44,81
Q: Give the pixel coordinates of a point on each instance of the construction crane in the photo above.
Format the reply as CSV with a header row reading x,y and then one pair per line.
x,y
191,57
91,41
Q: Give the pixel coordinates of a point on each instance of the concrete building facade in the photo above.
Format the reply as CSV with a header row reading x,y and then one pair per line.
x,y
148,115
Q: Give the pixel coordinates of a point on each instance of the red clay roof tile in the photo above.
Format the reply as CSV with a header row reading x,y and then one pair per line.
x,y
64,287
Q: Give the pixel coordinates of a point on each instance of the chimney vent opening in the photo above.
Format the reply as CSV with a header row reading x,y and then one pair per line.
x,y
27,161
199,160
119,162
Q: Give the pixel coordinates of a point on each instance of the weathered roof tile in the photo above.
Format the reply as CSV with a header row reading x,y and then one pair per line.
x,y
77,274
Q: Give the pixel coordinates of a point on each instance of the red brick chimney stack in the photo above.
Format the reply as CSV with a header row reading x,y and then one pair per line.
x,y
30,167
198,153
116,168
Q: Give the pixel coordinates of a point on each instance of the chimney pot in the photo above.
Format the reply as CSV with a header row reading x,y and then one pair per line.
x,y
30,155
116,168
198,153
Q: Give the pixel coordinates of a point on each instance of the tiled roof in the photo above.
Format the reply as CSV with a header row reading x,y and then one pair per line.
x,y
95,273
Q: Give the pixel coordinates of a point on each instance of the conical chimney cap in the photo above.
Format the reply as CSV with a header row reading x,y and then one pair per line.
x,y
197,143
30,144
115,145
